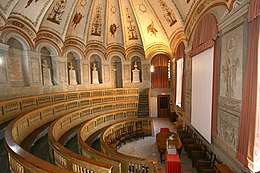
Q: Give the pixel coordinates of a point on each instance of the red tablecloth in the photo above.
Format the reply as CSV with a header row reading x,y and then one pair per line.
x,y
163,129
172,163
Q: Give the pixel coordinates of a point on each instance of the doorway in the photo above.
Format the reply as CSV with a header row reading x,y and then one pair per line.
x,y
163,106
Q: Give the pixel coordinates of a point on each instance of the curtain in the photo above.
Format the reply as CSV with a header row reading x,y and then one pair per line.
x,y
248,149
205,37
205,34
159,78
180,53
215,90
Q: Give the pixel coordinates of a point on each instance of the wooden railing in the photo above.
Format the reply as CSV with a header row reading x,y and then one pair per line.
x,y
119,110
10,109
129,163
35,113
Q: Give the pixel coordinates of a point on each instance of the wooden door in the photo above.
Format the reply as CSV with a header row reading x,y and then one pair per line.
x,y
163,106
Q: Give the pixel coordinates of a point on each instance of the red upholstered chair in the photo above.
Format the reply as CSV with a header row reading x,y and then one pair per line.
x,y
164,130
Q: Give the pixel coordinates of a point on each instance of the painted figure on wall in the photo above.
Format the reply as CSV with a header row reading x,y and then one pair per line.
x,y
96,25
132,35
150,28
168,13
76,19
229,73
56,14
29,3
113,28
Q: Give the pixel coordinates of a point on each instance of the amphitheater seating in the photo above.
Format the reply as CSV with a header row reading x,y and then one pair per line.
x,y
70,108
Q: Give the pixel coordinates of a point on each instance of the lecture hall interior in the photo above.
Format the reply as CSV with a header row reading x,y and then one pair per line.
x,y
82,79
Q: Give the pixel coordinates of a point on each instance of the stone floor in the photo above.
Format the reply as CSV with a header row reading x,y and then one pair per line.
x,y
147,147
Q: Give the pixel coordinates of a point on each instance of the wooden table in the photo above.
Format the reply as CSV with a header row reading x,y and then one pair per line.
x,y
223,168
161,138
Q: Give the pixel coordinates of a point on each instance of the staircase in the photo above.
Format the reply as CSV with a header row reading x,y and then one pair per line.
x,y
143,106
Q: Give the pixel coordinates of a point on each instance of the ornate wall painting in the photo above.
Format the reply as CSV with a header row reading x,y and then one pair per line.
x,y
168,13
151,29
113,29
57,11
29,3
231,64
76,19
131,28
97,22
15,69
35,70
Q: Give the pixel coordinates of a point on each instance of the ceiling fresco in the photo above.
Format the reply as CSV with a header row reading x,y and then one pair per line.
x,y
123,23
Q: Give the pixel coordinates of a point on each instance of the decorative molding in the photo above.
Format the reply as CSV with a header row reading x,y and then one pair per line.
x,y
230,103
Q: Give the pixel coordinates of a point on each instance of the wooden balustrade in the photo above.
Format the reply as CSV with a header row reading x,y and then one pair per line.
x,y
39,110
130,163
10,109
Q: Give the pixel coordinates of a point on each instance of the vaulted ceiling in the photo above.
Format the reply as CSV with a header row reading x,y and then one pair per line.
x,y
109,24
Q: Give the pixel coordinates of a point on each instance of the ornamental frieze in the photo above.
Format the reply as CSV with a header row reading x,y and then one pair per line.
x,y
230,103
23,27
197,12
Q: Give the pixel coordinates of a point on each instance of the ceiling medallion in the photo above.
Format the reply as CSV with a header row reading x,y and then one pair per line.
x,y
83,3
142,8
113,9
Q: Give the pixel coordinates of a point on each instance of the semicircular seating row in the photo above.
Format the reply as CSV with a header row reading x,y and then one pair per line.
x,y
96,108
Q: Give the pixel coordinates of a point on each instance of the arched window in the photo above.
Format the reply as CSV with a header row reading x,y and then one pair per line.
x,y
159,77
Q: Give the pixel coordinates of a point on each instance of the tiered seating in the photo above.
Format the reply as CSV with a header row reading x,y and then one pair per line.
x,y
129,163
41,110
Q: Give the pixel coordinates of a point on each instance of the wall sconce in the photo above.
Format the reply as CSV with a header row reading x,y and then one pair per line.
x,y
152,68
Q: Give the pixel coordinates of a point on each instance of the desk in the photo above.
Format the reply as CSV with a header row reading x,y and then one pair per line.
x,y
223,168
161,138
172,163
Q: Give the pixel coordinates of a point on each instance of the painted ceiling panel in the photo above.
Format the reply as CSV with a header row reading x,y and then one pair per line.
x,y
131,30
97,22
32,12
58,16
78,26
149,26
168,16
184,7
7,6
114,24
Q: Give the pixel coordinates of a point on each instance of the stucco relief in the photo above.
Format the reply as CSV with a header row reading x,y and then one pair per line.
x,y
231,64
62,73
229,103
35,71
106,73
85,71
228,128
127,73
146,72
15,69
188,73
3,75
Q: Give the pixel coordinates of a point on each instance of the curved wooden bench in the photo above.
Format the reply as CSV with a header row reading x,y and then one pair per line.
x,y
119,110
139,163
19,129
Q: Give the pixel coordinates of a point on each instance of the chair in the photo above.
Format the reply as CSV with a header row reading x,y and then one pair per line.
x,y
199,156
164,129
194,146
208,166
